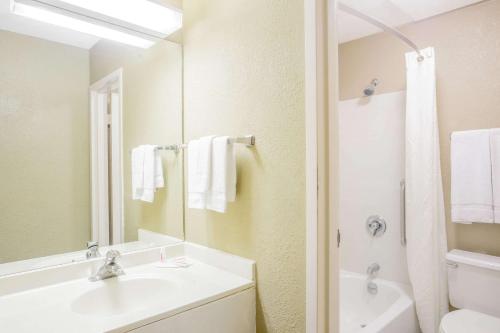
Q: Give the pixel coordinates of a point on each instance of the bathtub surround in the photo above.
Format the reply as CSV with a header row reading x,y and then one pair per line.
x,y
244,73
152,114
371,167
44,136
467,50
425,221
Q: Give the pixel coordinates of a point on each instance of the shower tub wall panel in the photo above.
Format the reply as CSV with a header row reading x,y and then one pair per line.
x,y
371,168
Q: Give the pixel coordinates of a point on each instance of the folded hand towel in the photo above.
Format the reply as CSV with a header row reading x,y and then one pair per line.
x,y
223,180
153,173
199,171
147,172
495,171
471,189
137,172
159,179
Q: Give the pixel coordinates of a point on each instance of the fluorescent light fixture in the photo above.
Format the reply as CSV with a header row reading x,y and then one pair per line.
x,y
64,21
142,13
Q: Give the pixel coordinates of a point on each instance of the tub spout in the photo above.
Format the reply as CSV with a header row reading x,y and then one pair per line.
x,y
372,271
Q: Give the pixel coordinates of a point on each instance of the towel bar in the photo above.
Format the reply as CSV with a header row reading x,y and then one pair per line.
x,y
248,140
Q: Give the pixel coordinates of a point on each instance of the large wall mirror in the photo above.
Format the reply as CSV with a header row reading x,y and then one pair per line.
x,y
79,116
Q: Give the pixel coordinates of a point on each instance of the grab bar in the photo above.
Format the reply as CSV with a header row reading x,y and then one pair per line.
x,y
402,210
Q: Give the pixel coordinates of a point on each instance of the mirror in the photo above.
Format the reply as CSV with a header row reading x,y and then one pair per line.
x,y
73,108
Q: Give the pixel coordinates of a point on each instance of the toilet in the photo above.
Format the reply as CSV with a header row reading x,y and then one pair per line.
x,y
474,288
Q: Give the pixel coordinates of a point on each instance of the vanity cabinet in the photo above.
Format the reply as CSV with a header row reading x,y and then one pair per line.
x,y
231,314
215,293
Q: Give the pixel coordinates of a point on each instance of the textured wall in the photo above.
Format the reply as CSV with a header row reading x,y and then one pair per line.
x,y
44,136
468,84
244,73
152,114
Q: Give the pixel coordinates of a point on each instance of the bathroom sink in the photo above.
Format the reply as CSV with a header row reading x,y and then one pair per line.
x,y
122,295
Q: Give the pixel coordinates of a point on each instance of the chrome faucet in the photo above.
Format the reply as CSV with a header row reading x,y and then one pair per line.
x,y
93,250
372,272
110,268
376,226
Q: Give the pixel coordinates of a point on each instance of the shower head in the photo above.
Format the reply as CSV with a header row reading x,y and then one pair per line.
x,y
370,89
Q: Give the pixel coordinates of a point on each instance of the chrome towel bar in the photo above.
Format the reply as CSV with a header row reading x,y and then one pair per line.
x,y
248,140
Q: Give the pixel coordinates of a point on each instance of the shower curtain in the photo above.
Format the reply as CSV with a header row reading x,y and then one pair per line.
x,y
425,219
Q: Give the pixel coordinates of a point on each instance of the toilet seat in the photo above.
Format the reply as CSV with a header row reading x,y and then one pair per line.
x,y
467,321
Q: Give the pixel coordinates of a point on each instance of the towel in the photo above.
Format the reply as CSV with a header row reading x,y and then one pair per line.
x,y
495,171
471,189
223,176
199,171
137,172
147,172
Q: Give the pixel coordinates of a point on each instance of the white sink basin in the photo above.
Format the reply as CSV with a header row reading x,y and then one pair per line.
x,y
121,295
217,290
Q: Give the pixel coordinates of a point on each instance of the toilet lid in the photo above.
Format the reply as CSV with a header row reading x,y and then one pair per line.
x,y
467,321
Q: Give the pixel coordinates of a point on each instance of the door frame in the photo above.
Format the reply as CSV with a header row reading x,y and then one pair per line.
x,y
99,162
322,259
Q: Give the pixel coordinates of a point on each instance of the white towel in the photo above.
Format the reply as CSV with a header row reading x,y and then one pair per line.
x,y
495,171
199,171
223,178
147,172
137,172
471,189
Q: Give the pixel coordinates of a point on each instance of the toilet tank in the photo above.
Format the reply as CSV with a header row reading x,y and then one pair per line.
x,y
474,281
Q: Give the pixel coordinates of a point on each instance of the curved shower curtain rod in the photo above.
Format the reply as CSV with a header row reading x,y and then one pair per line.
x,y
382,26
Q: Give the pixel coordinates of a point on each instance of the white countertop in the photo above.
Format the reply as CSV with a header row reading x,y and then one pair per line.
x,y
48,309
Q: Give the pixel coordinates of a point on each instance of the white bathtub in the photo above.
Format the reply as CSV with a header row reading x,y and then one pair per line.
x,y
391,310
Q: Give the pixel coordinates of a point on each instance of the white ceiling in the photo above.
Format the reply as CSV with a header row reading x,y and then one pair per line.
x,y
26,26
392,12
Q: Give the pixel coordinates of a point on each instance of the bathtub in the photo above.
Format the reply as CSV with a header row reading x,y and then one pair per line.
x,y
391,310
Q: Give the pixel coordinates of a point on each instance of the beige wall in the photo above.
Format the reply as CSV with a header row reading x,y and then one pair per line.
x,y
244,73
468,79
152,114
44,135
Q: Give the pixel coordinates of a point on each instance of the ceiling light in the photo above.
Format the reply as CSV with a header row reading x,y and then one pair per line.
x,y
142,13
79,25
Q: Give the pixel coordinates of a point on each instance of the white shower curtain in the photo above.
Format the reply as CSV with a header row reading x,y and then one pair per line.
x,y
425,219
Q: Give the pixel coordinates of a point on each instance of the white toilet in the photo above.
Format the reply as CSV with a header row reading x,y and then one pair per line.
x,y
474,287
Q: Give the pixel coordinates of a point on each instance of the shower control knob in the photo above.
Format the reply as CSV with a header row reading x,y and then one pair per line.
x,y
376,226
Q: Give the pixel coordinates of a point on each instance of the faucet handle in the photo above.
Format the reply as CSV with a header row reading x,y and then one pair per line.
x,y
112,255
93,250
373,269
91,244
376,226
